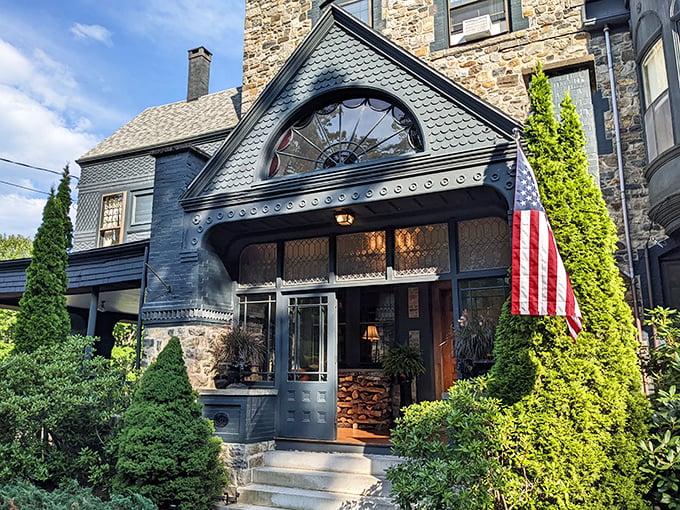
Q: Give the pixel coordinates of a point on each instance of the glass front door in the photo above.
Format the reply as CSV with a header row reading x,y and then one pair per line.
x,y
308,381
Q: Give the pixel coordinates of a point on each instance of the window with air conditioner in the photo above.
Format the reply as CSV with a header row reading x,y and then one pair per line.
x,y
658,127
476,19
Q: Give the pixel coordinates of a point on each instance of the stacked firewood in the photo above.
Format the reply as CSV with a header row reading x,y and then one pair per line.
x,y
364,400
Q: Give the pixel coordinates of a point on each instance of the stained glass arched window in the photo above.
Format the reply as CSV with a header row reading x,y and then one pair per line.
x,y
344,133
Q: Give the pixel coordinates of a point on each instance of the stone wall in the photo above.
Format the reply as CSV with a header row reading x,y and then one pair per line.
x,y
240,460
197,344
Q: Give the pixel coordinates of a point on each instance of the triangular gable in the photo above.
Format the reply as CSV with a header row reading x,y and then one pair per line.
x,y
342,52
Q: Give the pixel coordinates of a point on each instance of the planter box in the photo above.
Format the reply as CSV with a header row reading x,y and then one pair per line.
x,y
241,415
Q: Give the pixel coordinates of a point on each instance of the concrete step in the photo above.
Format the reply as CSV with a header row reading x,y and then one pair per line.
x,y
348,483
239,506
302,499
334,462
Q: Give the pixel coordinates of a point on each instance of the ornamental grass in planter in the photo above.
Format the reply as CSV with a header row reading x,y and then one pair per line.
x,y
236,353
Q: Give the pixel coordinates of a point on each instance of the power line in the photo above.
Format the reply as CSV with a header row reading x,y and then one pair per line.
x,y
36,168
24,187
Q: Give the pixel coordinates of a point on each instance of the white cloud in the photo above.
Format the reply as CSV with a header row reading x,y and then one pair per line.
x,y
26,223
43,124
96,32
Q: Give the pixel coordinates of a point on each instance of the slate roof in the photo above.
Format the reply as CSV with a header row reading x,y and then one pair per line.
x,y
174,122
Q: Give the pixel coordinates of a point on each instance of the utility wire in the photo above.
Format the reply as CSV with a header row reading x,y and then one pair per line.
x,y
36,168
24,187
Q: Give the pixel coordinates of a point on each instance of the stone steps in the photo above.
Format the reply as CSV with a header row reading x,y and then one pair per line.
x,y
295,480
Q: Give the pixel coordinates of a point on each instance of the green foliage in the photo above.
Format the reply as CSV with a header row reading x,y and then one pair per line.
x,y
7,320
451,450
15,247
124,351
403,359
57,409
165,449
662,449
43,318
577,411
70,496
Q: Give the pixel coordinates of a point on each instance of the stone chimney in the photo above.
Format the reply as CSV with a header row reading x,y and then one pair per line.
x,y
199,73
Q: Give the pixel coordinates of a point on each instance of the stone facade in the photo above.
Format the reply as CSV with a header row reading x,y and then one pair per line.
x,y
198,344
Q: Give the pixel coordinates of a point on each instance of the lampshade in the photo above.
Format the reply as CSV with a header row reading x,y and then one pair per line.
x,y
371,333
344,218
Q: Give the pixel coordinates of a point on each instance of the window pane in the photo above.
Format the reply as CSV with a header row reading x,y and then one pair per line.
x,y
421,250
257,314
345,133
111,223
258,265
112,210
654,73
305,261
377,330
480,302
308,340
141,205
357,8
483,244
466,9
658,127
361,256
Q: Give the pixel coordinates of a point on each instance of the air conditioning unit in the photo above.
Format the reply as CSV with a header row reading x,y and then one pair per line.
x,y
476,28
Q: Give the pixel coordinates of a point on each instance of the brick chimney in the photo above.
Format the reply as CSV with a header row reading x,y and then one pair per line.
x,y
199,73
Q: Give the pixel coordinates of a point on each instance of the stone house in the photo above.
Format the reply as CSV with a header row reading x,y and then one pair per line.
x,y
355,193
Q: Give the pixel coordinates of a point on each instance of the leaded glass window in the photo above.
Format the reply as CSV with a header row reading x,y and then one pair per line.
x,y
112,219
421,250
361,256
344,133
305,261
257,266
483,244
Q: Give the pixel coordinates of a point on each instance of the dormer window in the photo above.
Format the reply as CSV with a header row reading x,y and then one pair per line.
x,y
345,133
475,19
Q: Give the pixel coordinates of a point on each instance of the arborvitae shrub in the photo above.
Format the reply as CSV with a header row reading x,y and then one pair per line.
x,y
577,407
43,318
165,449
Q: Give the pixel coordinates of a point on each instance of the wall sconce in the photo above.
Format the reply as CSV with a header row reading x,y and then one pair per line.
x,y
371,333
344,218
100,308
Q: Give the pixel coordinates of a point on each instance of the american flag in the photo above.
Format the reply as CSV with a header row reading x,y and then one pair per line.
x,y
540,284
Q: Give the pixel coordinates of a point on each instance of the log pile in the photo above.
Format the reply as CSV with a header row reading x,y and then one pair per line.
x,y
364,400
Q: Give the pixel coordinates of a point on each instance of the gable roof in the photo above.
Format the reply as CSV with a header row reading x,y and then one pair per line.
x,y
342,52
174,122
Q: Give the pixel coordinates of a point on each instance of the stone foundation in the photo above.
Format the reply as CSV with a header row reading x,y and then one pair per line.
x,y
240,460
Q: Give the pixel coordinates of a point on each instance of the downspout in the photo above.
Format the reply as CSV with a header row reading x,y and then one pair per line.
x,y
622,182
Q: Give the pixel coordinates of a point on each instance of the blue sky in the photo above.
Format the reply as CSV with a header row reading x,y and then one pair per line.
x,y
73,71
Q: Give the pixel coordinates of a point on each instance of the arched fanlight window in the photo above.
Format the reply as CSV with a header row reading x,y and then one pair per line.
x,y
344,133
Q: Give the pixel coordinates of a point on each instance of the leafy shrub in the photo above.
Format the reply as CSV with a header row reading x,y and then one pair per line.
x,y
451,450
165,450
662,450
71,496
57,409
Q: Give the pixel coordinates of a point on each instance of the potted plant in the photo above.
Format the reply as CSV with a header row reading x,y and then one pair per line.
x,y
236,353
473,346
404,362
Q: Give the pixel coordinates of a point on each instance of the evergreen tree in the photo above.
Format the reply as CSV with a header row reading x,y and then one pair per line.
x,y
43,318
577,409
165,449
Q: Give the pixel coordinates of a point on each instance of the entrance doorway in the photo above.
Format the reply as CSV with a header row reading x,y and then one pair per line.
x,y
307,367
